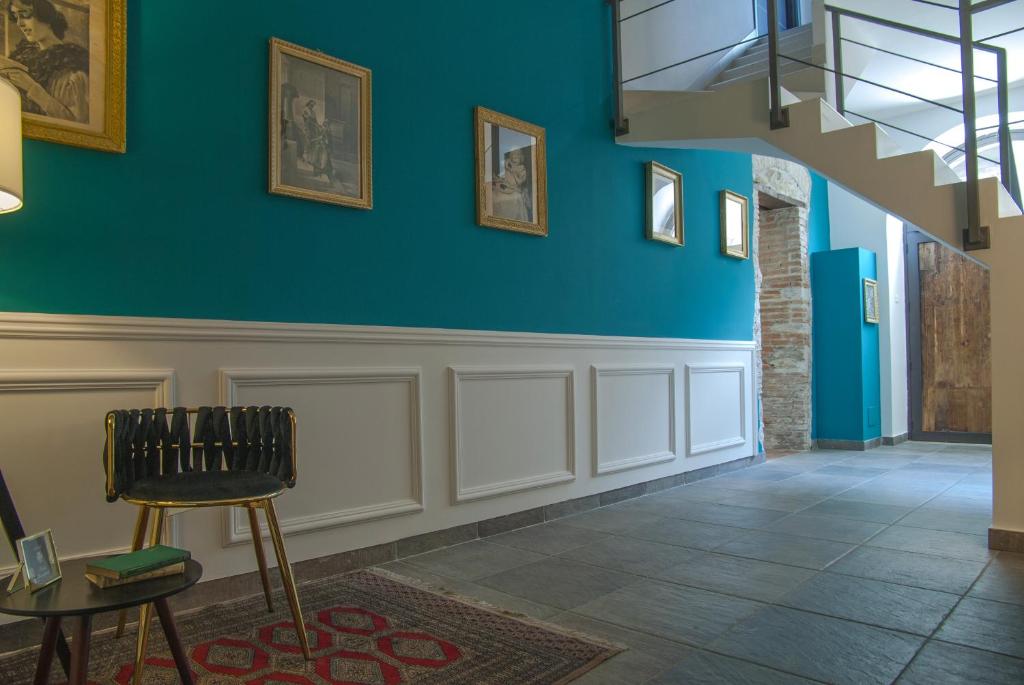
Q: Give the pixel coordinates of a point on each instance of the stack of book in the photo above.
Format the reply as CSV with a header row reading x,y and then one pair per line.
x,y
145,564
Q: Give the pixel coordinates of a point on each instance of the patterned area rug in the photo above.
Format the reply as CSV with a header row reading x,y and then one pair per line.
x,y
364,627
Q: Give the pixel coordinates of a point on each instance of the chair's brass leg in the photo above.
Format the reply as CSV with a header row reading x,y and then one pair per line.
x,y
146,610
286,576
261,559
138,537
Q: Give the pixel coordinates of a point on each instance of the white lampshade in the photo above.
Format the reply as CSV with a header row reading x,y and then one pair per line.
x,y
11,187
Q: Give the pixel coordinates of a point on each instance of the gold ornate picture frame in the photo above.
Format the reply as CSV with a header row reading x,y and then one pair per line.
x,y
67,59
871,314
664,204
320,127
511,173
735,225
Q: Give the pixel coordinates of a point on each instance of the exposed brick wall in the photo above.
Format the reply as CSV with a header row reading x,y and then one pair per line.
x,y
785,327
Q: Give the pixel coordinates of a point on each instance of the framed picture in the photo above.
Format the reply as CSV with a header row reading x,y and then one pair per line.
x,y
39,557
320,146
664,204
734,228
511,174
67,59
871,301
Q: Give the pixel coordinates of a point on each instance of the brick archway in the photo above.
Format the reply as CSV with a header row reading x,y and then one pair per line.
x,y
782,309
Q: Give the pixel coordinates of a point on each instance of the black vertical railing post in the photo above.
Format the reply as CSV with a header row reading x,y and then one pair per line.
x,y
975,235
779,116
1007,163
621,123
837,61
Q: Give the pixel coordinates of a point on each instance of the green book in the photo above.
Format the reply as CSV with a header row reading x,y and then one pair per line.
x,y
134,563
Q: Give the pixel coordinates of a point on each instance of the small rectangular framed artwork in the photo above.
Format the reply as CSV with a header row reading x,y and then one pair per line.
x,y
39,560
320,147
734,225
664,204
871,301
67,60
511,174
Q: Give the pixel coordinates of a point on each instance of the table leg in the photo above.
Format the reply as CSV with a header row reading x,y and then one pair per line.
x,y
50,632
174,641
80,650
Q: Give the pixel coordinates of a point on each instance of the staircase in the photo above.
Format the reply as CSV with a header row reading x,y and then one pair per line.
x,y
918,186
800,79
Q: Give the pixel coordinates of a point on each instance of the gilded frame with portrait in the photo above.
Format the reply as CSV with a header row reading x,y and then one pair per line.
x,y
67,59
516,198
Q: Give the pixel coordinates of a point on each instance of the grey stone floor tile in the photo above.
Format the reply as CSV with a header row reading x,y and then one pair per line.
x,y
993,626
892,495
862,472
952,520
549,538
963,505
940,663
908,568
824,527
558,582
925,466
813,484
469,589
609,520
1003,580
862,511
472,560
750,578
665,651
724,515
707,668
886,605
764,500
703,491
632,555
820,647
625,668
675,612
939,543
685,533
786,549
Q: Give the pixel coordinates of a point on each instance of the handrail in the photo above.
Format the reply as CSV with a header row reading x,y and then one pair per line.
x,y
645,11
693,59
620,124
889,23
916,135
912,59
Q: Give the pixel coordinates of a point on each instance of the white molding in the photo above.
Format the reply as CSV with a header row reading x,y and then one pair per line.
x,y
705,447
236,527
599,371
15,325
458,374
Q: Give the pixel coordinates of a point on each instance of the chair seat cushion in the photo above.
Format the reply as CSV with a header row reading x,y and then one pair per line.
x,y
205,486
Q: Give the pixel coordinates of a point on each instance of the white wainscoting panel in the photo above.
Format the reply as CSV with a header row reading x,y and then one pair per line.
x,y
715,407
52,423
359,427
633,416
512,429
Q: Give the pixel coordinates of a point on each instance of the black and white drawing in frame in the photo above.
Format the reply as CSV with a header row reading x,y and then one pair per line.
x,y
871,314
664,204
511,173
39,559
320,147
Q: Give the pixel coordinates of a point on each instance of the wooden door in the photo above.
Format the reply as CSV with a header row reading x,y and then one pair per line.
x,y
951,365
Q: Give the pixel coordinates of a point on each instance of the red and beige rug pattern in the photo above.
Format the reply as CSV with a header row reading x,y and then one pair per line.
x,y
365,628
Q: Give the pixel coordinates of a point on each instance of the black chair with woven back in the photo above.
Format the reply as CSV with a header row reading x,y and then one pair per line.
x,y
163,459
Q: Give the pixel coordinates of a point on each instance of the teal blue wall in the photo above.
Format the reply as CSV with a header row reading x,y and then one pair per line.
x,y
818,240
845,347
182,224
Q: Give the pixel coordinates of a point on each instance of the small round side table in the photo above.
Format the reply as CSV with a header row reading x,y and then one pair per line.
x,y
75,596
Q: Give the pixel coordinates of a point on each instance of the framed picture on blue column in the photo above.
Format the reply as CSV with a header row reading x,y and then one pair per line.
x,y
871,301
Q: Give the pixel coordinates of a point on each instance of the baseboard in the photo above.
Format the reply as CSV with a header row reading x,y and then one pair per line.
x,y
21,634
895,439
858,445
1006,540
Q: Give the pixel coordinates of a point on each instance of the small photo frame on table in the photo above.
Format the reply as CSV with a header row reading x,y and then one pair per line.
x,y
664,204
871,301
734,228
511,174
39,562
320,147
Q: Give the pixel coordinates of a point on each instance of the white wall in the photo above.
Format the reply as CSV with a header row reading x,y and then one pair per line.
x,y
401,431
678,31
855,223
